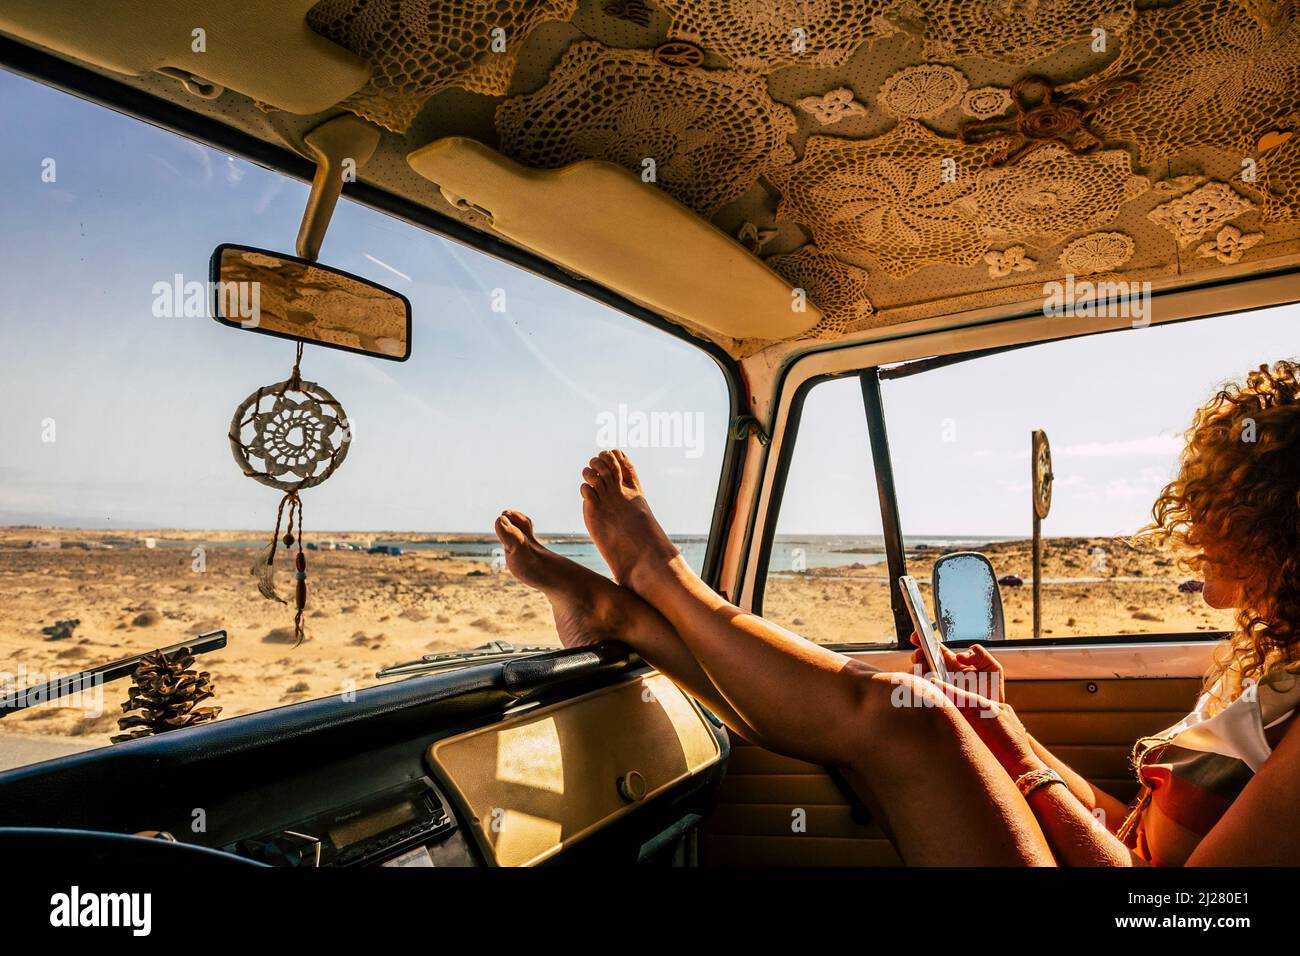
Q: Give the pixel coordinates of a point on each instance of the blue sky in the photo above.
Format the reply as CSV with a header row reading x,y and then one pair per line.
x,y
493,410
1114,407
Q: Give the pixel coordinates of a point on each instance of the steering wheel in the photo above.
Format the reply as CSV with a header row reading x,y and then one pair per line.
x,y
99,848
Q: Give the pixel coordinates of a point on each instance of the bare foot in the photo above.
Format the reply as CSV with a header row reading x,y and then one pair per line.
x,y
585,604
619,518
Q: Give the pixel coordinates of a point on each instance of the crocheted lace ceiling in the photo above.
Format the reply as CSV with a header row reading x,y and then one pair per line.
x,y
705,136
839,289
901,199
1279,181
1209,73
418,48
915,161
1009,31
1052,194
888,198
762,34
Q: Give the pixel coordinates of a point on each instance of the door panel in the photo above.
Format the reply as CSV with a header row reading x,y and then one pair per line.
x,y
1089,723
753,823
1093,724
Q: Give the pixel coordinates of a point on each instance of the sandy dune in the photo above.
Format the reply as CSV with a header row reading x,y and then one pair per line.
x,y
367,611
1125,590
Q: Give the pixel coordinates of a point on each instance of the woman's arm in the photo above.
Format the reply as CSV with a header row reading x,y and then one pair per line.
x,y
1076,836
976,659
1109,811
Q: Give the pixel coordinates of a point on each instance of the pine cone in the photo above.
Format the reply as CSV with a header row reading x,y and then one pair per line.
x,y
165,691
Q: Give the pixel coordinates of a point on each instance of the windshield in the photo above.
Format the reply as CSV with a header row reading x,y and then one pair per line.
x,y
125,523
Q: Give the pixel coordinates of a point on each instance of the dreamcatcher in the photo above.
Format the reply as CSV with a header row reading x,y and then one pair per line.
x,y
290,436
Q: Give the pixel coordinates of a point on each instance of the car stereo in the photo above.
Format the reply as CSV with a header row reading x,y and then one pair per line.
x,y
382,824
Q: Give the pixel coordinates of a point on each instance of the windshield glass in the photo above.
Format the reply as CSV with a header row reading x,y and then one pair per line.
x,y
125,523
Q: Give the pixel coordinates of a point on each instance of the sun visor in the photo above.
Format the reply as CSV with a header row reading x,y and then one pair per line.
x,y
263,50
602,222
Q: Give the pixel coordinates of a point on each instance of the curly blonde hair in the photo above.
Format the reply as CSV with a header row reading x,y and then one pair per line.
x,y
1238,493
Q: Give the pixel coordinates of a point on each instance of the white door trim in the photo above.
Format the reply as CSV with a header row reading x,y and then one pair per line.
x,y
1078,662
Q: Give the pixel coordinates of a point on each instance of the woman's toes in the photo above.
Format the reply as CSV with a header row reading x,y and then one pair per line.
x,y
527,559
522,522
510,535
612,467
629,471
588,493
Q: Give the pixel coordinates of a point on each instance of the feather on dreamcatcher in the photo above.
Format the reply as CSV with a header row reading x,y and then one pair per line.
x,y
289,436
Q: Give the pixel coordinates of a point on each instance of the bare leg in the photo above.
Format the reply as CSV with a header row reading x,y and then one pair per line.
x,y
589,608
944,795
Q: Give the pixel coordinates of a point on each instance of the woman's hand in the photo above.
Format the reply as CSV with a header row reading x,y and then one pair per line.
x,y
974,660
998,725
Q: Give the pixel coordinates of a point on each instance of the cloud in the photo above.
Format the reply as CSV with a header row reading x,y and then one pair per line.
x,y
165,165
269,192
1149,446
234,171
1145,485
204,161
385,265
1060,483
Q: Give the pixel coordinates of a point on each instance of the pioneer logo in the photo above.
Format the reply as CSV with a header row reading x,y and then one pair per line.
x,y
76,908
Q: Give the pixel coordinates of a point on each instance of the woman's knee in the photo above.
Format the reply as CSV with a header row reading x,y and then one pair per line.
x,y
909,715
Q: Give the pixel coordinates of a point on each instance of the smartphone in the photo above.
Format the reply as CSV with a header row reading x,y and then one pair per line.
x,y
924,629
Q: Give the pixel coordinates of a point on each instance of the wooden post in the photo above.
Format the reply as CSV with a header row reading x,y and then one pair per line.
x,y
1038,575
1040,495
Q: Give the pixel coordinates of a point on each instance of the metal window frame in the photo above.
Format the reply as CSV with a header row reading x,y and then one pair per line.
x,y
891,521
882,466
871,375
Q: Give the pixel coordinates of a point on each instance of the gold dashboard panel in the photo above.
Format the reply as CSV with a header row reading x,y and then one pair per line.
x,y
538,782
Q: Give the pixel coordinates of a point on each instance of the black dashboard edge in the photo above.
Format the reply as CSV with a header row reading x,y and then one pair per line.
x,y
525,677
113,784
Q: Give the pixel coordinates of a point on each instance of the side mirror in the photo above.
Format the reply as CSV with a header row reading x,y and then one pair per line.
x,y
967,601
292,298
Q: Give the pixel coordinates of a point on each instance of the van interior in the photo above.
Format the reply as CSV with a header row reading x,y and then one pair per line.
x,y
826,271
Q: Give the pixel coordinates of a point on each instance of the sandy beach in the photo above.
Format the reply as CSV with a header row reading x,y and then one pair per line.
x,y
367,611
1130,590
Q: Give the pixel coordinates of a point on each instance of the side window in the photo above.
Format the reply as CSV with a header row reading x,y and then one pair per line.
x,y
1114,407
826,576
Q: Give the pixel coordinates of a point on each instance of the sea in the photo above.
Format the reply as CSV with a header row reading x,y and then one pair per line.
x,y
790,552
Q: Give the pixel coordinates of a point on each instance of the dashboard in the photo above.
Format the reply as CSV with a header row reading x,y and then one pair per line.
x,y
535,784
574,756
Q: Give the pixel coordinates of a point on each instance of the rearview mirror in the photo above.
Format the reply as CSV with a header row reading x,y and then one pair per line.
x,y
967,601
292,298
